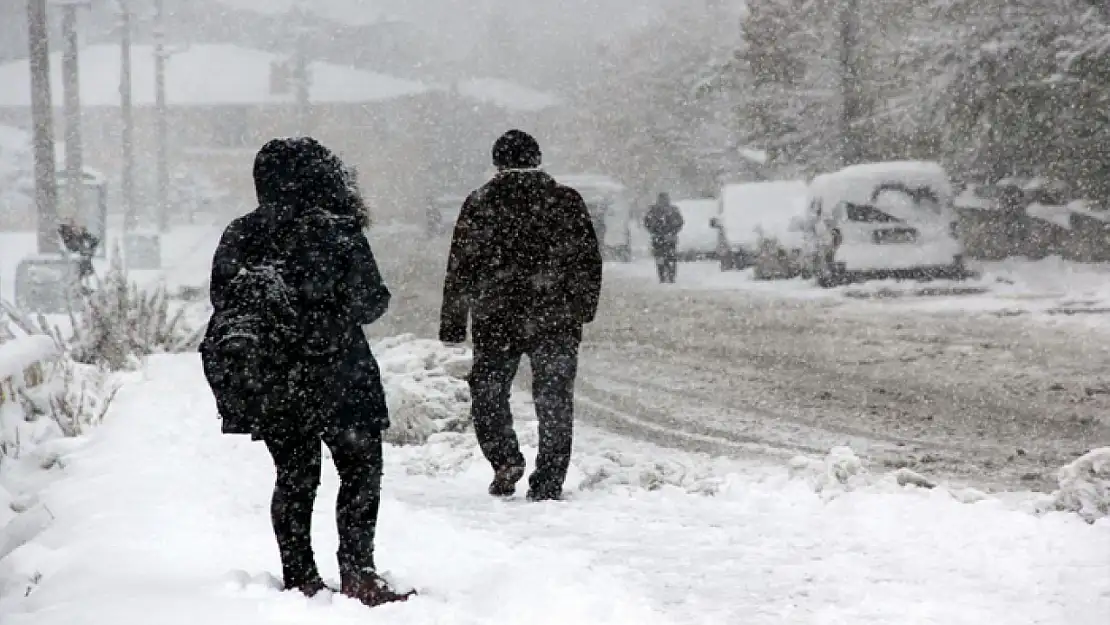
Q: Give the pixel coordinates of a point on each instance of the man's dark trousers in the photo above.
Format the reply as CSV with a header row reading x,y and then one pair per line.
x,y
554,359
666,261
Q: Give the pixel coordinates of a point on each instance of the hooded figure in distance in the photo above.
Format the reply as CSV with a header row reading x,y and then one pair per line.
x,y
292,284
525,267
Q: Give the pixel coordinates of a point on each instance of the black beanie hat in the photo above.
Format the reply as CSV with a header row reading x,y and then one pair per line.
x,y
516,149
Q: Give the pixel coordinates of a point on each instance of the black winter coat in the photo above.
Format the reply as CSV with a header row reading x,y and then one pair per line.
x,y
524,260
326,260
663,222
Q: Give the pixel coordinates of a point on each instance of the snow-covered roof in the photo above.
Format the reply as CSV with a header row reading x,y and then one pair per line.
x,y
199,75
856,183
349,12
506,94
755,209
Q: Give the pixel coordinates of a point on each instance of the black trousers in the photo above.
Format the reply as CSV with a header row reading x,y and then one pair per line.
x,y
297,461
554,360
666,261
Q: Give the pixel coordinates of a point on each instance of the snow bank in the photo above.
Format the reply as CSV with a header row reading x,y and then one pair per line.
x,y
25,351
1085,485
37,435
840,470
424,387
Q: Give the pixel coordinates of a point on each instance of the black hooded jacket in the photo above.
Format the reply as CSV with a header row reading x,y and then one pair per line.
x,y
305,213
524,259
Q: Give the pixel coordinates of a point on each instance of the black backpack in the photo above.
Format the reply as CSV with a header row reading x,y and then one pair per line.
x,y
245,352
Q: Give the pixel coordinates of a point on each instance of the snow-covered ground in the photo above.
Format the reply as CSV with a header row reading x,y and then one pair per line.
x,y
1052,287
159,518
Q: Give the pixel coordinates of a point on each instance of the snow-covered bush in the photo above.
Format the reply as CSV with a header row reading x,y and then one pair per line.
x,y
774,262
72,398
37,432
121,322
116,324
1085,485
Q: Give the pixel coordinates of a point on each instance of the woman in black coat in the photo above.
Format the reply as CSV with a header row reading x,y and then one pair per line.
x,y
309,228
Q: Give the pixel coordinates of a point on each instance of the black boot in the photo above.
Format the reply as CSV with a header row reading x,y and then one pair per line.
x,y
371,590
504,480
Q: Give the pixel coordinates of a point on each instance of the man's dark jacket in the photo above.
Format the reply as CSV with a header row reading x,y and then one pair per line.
x,y
333,378
663,221
524,260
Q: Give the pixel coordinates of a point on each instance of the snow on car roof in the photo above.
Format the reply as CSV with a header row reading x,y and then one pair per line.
x,y
201,74
752,208
856,183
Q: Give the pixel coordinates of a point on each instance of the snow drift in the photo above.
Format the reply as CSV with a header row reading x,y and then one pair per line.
x,y
1085,485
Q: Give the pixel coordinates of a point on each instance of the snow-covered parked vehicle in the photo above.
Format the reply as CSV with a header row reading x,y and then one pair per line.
x,y
610,210
883,220
698,238
752,215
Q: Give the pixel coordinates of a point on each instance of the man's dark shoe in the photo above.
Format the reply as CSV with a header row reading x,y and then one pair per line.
x,y
371,590
504,480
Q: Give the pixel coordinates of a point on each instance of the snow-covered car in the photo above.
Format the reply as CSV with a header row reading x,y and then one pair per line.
x,y
879,220
751,214
610,210
698,239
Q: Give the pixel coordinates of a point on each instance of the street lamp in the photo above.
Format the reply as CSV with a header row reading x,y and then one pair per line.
x,y
301,76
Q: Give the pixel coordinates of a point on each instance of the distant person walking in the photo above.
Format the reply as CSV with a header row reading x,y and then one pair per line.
x,y
525,266
663,222
293,282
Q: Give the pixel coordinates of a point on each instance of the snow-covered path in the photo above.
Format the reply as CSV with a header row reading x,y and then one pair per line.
x,y
160,519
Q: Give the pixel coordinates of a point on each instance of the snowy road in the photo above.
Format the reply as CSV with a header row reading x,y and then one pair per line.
x,y
158,518
992,401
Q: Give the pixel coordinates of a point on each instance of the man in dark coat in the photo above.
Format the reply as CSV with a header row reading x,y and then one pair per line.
x,y
526,268
310,217
663,222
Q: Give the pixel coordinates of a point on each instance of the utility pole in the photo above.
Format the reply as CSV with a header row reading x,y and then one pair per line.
x,y
163,166
849,82
301,76
71,92
42,113
127,136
